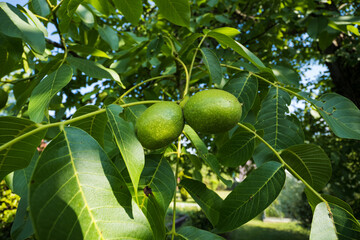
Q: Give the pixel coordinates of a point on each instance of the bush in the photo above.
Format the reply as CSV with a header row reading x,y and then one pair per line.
x,y
8,205
198,219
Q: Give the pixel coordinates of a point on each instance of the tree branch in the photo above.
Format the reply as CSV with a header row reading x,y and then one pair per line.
x,y
260,34
245,16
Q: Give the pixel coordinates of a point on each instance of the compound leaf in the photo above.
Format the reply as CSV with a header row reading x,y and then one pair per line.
x,y
46,90
76,192
280,130
94,69
18,154
158,178
227,41
13,23
176,11
244,86
212,63
128,144
322,227
337,224
251,196
238,149
192,233
131,9
203,153
341,114
207,199
310,162
22,227
94,125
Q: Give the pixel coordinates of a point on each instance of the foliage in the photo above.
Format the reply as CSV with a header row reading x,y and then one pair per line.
x,y
199,220
257,229
95,180
9,202
286,203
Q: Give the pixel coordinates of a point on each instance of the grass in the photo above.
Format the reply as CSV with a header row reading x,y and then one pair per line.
x,y
256,229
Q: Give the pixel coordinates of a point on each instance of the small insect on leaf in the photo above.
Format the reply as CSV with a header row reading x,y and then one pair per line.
x,y
148,191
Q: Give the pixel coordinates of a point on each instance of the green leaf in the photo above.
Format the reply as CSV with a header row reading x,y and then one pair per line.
x,y
317,25
11,51
244,86
130,148
228,31
76,192
310,162
40,7
207,199
338,202
280,130
212,63
17,155
132,113
13,23
353,29
46,90
251,196
94,125
200,146
110,36
23,90
193,233
337,224
176,11
189,42
34,20
238,149
341,114
314,200
86,16
22,227
202,151
227,41
159,177
66,12
345,20
322,227
104,7
347,227
86,50
131,9
286,75
94,69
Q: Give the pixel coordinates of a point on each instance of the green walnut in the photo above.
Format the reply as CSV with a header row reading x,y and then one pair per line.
x,y
159,125
212,111
3,98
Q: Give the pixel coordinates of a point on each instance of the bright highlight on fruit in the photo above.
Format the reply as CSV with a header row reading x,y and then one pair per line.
x,y
212,111
159,125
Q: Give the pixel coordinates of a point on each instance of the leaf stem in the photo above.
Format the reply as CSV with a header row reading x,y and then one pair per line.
x,y
141,83
41,127
187,77
293,172
173,230
49,3
173,49
57,6
19,80
194,57
275,85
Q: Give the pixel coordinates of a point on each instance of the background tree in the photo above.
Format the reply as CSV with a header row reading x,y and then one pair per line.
x,y
116,57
